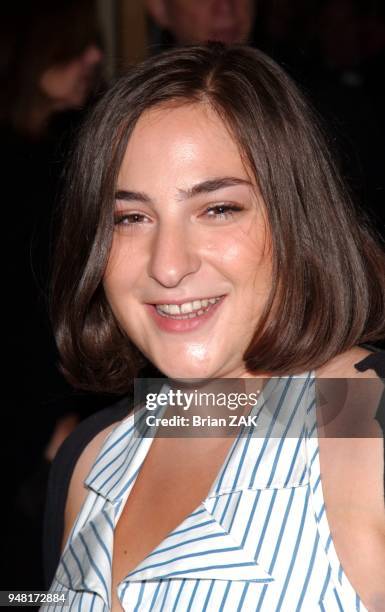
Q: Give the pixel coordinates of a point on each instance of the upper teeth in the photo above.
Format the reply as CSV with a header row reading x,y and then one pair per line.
x,y
186,307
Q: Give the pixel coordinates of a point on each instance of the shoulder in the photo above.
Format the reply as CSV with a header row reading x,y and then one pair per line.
x,y
350,404
352,393
77,492
358,362
66,491
79,453
349,416
352,464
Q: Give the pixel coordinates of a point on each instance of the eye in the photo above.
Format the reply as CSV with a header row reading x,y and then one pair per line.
x,y
125,219
223,211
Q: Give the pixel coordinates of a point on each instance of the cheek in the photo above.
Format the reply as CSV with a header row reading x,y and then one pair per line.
x,y
113,291
251,265
243,251
120,277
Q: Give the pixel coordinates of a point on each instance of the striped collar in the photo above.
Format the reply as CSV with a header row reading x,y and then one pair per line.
x,y
208,543
254,461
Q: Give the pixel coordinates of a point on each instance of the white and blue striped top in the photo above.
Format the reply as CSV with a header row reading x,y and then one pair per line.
x,y
259,541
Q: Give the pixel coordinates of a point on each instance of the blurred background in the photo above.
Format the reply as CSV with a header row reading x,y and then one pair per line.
x,y
56,58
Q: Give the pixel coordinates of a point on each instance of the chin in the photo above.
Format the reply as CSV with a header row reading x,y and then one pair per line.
x,y
187,373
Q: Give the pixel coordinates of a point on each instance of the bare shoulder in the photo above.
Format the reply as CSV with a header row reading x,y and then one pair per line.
x,y
77,492
342,366
350,398
352,471
347,415
352,476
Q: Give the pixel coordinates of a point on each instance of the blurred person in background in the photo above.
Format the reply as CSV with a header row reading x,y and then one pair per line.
x,y
50,59
192,22
49,56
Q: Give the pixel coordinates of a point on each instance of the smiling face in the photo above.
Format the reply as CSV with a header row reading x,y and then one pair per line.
x,y
190,266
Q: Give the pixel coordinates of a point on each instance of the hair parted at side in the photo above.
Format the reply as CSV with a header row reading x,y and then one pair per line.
x,y
328,290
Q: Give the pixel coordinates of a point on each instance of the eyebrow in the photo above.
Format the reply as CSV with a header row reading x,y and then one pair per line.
x,y
184,194
211,185
132,196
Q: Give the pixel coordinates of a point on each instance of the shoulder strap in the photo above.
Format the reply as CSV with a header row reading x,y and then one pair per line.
x,y
375,361
59,479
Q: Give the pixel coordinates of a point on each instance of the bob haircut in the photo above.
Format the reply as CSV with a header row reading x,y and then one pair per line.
x,y
327,289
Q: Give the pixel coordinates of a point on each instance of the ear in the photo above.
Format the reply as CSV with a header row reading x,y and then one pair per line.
x,y
158,11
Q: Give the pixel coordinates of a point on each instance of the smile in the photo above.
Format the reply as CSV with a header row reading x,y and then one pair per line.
x,y
184,317
187,310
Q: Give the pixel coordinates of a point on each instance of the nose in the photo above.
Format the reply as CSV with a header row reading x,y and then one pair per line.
x,y
173,256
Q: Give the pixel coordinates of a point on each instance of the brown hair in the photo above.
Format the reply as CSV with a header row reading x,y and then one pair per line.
x,y
328,290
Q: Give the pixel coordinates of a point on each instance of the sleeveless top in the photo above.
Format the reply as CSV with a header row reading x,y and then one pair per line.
x,y
260,540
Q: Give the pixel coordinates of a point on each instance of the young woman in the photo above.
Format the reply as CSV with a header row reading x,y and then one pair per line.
x,y
206,232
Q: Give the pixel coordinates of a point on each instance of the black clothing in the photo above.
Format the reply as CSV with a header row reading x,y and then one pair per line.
x,y
36,394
